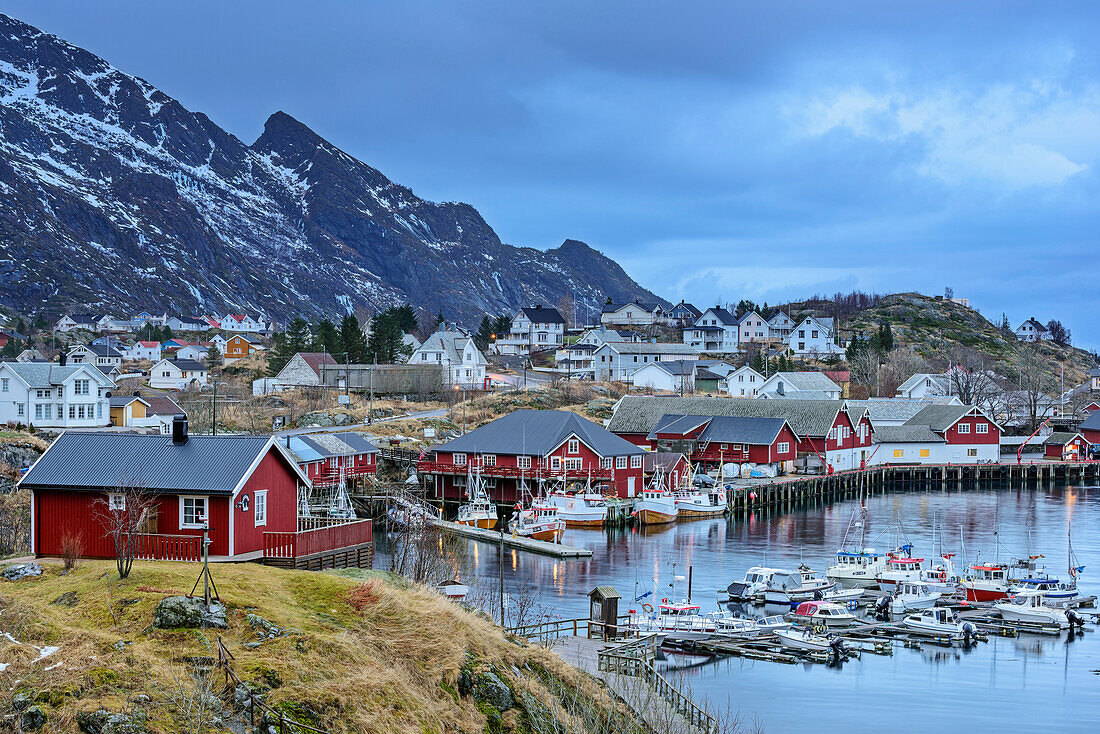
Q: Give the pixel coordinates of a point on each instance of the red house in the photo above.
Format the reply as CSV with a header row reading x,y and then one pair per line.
x,y
716,440
243,489
970,434
534,448
1090,428
325,456
1066,447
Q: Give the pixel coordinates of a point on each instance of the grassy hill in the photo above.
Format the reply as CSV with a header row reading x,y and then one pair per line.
x,y
339,653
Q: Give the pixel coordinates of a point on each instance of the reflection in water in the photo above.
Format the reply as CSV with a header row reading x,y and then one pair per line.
x,y
995,683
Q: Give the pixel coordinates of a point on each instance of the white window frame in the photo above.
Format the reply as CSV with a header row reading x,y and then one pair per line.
x,y
488,459
782,448
963,428
205,507
555,462
636,461
981,428
620,462
523,462
259,511
116,502
574,446
606,462
458,459
971,452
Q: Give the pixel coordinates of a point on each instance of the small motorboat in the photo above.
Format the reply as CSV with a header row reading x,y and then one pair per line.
x,y
675,620
1055,592
655,506
700,502
826,613
773,623
538,522
844,597
752,586
939,621
910,596
738,627
803,639
797,586
1027,606
453,589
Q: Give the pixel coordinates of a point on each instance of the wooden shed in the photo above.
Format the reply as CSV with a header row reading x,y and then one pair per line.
x,y
604,610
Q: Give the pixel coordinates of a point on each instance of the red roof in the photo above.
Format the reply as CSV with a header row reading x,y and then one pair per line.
x,y
237,316
316,359
839,376
149,344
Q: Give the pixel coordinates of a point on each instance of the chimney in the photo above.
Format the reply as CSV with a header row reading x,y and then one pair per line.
x,y
64,359
179,429
137,393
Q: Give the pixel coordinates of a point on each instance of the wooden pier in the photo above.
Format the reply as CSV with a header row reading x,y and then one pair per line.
x,y
495,537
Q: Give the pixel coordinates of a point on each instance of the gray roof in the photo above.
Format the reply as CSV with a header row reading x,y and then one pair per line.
x,y
647,305
101,350
190,365
939,382
121,401
451,343
897,409
538,432
678,366
1092,423
540,315
48,374
338,444
639,414
907,434
807,381
939,417
1094,372
800,395
1060,438
96,461
723,429
651,348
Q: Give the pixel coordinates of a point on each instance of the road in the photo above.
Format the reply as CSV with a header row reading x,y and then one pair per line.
x,y
437,413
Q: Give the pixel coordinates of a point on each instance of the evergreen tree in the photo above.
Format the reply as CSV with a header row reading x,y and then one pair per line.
x,y
406,318
352,342
758,363
385,343
855,346
887,338
439,319
1004,322
20,327
288,343
502,325
484,334
40,323
214,357
326,338
166,334
609,302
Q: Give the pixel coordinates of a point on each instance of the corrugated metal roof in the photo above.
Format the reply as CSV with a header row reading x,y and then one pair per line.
x,y
807,381
754,431
907,434
203,465
536,433
639,414
896,409
1092,423
1060,438
939,417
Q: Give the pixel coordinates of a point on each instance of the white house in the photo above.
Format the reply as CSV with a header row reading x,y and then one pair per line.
x,y
101,355
578,355
410,341
456,351
195,351
177,374
149,350
939,434
302,370
780,326
787,384
716,330
31,355
619,360
1032,331
176,323
638,313
219,341
88,321
742,383
533,330
922,385
242,322
49,395
752,327
814,337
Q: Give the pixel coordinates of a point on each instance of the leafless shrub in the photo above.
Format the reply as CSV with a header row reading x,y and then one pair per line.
x,y
72,549
123,514
15,522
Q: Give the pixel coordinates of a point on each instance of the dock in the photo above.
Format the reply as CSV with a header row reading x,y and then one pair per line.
x,y
556,550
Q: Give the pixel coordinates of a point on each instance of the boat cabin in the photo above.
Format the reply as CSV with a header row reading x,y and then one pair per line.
x,y
996,574
857,559
907,565
909,588
678,609
816,609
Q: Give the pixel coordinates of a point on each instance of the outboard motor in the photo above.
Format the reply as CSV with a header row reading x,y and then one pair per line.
x,y
1075,619
838,649
882,608
818,595
969,633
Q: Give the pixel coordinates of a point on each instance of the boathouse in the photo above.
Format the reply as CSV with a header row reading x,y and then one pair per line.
x,y
716,440
529,449
940,434
1064,446
325,457
242,489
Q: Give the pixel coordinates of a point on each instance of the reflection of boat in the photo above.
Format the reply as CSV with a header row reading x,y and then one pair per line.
x,y
823,613
938,622
909,596
539,522
479,512
453,589
700,502
802,639
655,507
1028,607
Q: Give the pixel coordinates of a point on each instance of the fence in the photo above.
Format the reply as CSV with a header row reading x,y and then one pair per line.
x,y
318,539
224,656
168,547
547,631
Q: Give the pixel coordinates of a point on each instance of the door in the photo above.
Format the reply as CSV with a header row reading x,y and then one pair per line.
x,y
630,486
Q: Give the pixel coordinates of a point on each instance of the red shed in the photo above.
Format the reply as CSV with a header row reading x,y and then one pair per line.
x,y
1066,447
714,440
325,456
241,486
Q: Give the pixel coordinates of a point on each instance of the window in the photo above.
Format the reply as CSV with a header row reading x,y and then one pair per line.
x,y
813,334
964,428
972,452
620,462
847,431
80,387
782,448
38,411
116,502
458,481
523,462
99,410
555,462
605,462
459,459
49,412
725,447
574,446
20,409
573,463
4,384
981,428
898,453
72,411
261,507
636,462
42,394
192,512
924,453
488,460
801,333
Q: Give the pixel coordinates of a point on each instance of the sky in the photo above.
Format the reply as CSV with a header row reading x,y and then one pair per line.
x,y
718,150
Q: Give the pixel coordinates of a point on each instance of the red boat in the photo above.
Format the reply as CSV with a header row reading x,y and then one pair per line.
x,y
986,582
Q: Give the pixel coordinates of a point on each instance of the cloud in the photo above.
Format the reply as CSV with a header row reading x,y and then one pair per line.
x,y
1009,135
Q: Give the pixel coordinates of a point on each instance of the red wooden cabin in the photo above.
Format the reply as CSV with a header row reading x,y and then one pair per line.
x,y
716,440
325,456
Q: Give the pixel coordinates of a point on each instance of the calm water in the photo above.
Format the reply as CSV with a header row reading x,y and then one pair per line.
x,y
1030,683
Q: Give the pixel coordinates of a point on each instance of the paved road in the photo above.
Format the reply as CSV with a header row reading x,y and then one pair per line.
x,y
437,413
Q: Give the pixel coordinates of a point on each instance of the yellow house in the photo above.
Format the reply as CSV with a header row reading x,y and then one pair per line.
x,y
126,408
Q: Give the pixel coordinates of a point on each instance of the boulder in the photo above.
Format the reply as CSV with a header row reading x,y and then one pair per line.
x,y
181,611
21,571
103,721
32,719
21,700
489,688
68,599
343,419
316,418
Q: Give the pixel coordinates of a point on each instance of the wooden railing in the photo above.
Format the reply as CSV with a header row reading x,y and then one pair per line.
x,y
331,476
535,472
318,540
547,631
152,547
312,522
635,659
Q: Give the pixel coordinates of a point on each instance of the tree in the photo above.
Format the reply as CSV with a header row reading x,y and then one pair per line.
x,y
385,344
11,348
1005,326
758,363
897,367
502,324
351,340
609,302
484,334
214,357
405,315
326,338
863,363
288,343
565,308
40,323
20,326
885,338
948,292
1059,334
123,515
1034,380
970,379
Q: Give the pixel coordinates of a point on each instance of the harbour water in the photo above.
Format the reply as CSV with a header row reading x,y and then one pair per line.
x,y
1031,682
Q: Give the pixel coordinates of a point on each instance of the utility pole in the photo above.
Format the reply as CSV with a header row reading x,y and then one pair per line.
x,y
370,408
214,412
500,526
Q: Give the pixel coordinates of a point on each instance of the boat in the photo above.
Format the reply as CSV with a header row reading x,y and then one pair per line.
x,y
910,596
675,620
844,597
700,502
773,623
1055,592
985,582
797,586
453,589
1028,606
730,626
899,569
655,506
857,567
580,509
939,621
752,586
825,613
942,577
803,639
479,512
539,522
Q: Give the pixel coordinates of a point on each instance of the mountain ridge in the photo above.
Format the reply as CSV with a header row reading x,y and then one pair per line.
x,y
123,198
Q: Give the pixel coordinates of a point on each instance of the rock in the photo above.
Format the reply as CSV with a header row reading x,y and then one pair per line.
x,y
488,687
242,695
21,571
181,611
32,719
19,455
21,700
142,698
264,628
68,599
103,721
317,418
343,419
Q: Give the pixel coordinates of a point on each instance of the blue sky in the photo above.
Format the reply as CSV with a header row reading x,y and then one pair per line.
x,y
718,150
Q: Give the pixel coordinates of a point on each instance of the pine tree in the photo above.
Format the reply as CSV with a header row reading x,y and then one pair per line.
x,y
758,363
352,342
405,316
166,334
20,327
385,344
288,343
40,323
214,357
855,346
887,338
326,338
1004,322
484,334
502,325
11,349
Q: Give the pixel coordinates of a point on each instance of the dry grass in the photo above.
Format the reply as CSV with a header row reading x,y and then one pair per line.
x,y
20,438
367,656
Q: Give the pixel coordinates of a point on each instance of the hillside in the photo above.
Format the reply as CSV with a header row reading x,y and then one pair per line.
x,y
326,650
118,198
935,327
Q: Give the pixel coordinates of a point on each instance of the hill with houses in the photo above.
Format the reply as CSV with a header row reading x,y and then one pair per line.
x,y
119,198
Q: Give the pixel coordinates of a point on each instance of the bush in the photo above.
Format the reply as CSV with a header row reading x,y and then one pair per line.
x,y
72,549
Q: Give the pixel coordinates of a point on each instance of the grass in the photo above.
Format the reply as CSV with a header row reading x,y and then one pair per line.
x,y
365,654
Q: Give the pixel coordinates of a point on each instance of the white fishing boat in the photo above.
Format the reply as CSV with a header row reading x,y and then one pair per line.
x,y
898,569
580,509
773,623
844,597
856,564
942,577
939,621
540,521
756,580
985,582
803,639
453,589
1054,592
699,502
1028,607
655,506
479,512
910,596
797,586
675,620
823,613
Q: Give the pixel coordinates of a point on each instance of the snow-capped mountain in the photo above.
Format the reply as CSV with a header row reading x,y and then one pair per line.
x,y
115,196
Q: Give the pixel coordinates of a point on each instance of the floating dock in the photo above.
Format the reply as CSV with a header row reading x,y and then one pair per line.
x,y
512,541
